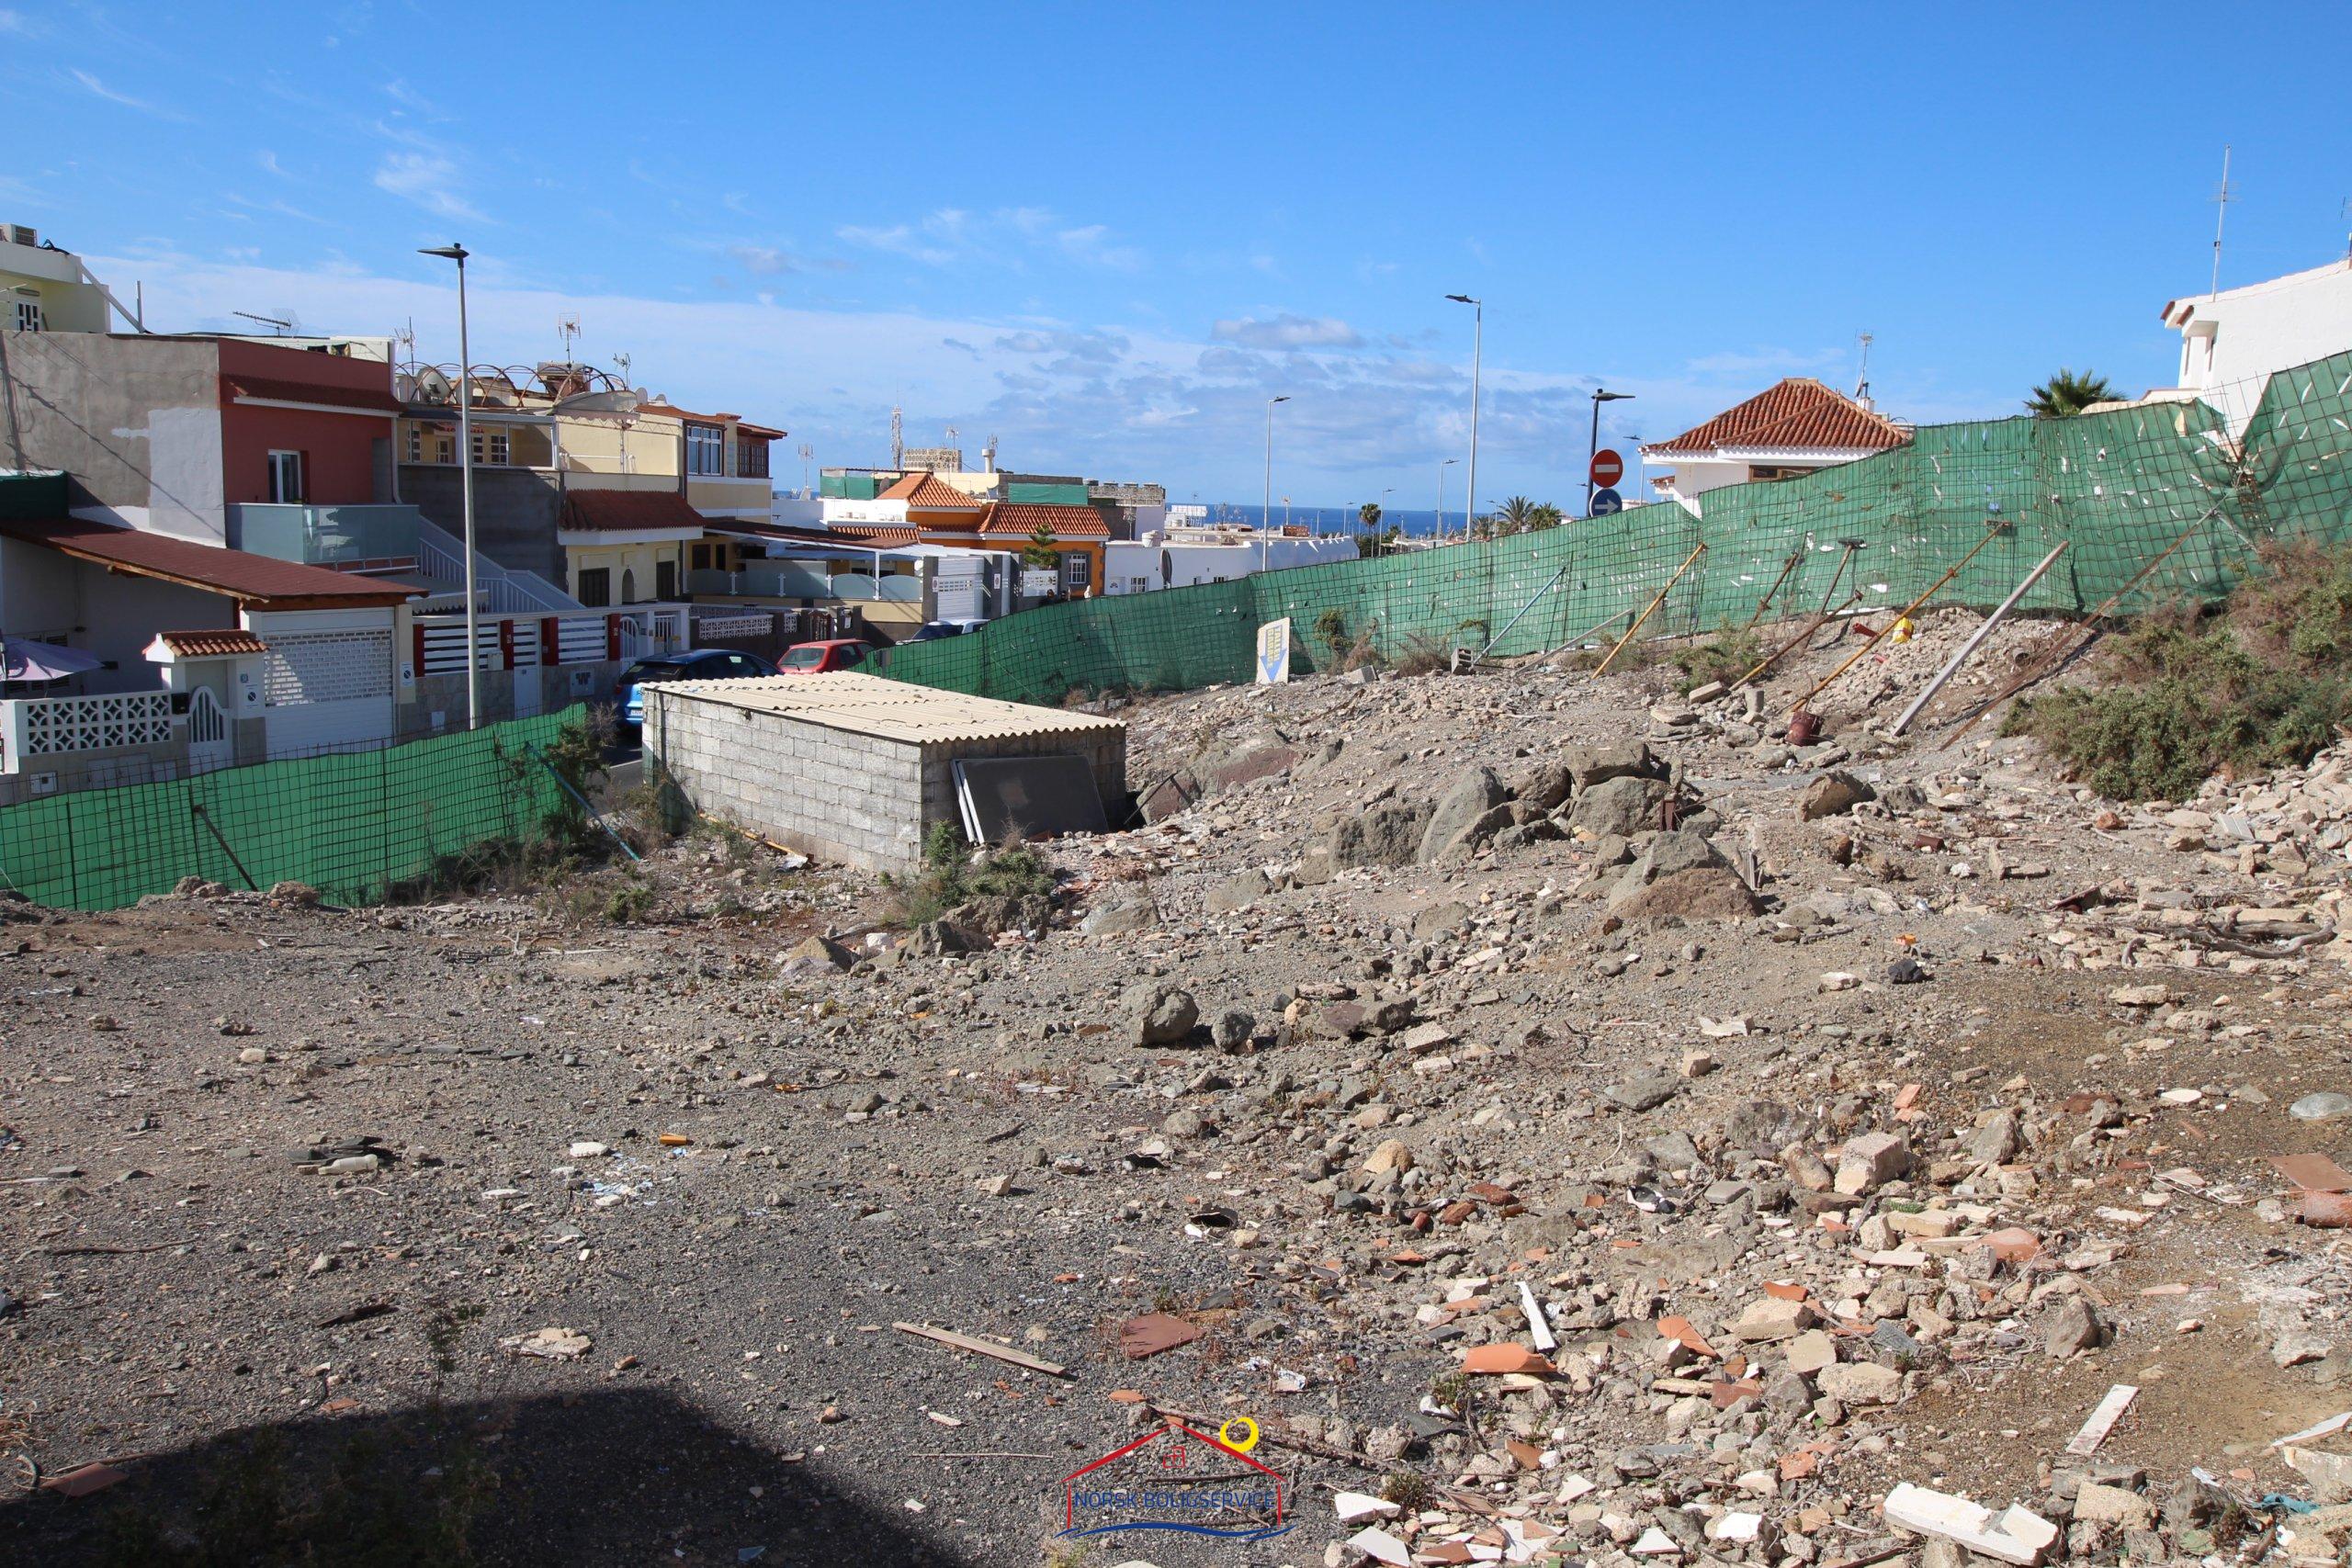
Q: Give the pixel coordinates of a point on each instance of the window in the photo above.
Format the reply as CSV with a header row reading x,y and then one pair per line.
x,y
706,450
1077,570
415,444
29,320
491,447
596,587
285,477
750,456
665,579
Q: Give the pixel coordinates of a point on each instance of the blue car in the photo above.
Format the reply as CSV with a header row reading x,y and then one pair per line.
x,y
702,664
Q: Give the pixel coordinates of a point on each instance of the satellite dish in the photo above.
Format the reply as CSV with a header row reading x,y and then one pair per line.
x,y
620,401
427,384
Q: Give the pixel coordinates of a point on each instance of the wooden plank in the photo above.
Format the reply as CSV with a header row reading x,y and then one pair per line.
x,y
2102,1421
981,1348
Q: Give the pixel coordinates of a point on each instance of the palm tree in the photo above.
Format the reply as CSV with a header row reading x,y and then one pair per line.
x,y
1516,517
1545,516
1369,515
2066,394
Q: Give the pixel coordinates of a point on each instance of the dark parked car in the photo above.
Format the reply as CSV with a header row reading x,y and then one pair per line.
x,y
702,664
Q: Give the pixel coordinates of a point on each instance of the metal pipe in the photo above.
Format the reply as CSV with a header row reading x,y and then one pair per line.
x,y
1634,630
1984,631
1870,642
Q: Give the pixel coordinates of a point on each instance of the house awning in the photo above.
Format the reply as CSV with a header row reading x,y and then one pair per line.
x,y
630,512
255,583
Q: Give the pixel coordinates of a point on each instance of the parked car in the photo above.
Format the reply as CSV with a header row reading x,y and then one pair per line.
x,y
700,664
821,657
931,631
966,627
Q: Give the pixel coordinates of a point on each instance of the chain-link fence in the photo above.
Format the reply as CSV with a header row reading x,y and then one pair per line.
x,y
353,825
2165,482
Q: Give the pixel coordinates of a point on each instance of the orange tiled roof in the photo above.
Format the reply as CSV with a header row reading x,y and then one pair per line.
x,y
216,643
627,511
1797,411
1022,517
256,581
926,488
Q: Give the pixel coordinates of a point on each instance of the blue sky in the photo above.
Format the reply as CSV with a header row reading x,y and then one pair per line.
x,y
1108,234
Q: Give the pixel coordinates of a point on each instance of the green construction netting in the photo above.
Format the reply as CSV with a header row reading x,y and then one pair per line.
x,y
2158,493
350,824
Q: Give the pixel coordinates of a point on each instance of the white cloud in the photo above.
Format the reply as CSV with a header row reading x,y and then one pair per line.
x,y
100,89
1005,236
1111,399
1287,331
428,181
17,23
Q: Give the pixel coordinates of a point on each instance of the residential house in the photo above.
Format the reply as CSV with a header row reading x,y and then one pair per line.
x,y
1180,556
581,481
49,289
1796,426
2231,342
938,514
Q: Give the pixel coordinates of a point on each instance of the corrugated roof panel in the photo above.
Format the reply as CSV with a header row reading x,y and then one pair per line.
x,y
894,710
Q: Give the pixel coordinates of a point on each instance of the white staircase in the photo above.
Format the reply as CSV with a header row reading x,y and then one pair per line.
x,y
441,561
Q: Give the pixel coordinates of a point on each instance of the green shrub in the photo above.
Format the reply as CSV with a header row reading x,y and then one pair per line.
x,y
2263,682
952,875
1724,657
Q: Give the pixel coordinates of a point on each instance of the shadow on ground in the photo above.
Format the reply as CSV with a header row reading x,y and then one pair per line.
x,y
614,1476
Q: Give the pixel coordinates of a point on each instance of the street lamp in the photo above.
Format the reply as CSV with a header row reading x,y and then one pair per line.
x,y
1477,350
1266,511
1592,451
466,456
1441,496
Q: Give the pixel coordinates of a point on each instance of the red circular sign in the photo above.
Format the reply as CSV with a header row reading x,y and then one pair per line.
x,y
1607,466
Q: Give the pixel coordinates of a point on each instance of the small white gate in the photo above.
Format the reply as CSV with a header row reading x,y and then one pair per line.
x,y
209,746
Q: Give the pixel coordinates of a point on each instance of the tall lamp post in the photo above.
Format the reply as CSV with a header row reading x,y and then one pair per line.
x,y
1266,511
1477,352
1593,449
1441,496
466,456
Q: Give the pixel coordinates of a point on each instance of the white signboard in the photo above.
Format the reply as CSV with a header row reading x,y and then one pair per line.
x,y
1036,584
1273,652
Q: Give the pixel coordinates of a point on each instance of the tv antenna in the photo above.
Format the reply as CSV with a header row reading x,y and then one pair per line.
x,y
897,439
282,326
1862,386
2222,197
569,328
807,452
620,362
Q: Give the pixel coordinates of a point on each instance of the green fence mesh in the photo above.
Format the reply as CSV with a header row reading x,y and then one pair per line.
x,y
350,824
2121,489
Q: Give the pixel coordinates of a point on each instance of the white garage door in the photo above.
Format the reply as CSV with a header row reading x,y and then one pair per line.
x,y
327,689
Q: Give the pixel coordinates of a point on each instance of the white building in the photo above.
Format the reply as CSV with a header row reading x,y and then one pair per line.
x,y
2230,342
1180,556
1792,427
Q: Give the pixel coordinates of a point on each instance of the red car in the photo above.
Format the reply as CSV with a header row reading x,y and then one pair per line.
x,y
819,658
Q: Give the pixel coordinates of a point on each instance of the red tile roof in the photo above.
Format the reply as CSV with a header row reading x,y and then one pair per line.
x,y
871,535
1022,517
682,413
369,400
1797,411
926,490
254,581
760,431
627,511
214,644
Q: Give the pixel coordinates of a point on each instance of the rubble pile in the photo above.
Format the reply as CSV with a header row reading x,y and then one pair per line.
x,y
1563,1121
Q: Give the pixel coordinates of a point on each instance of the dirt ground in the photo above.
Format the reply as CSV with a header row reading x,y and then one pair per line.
x,y
727,1167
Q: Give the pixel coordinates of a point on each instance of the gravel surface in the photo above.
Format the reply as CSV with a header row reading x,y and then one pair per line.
x,y
585,1242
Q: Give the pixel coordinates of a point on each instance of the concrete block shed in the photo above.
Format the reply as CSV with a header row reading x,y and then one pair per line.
x,y
850,767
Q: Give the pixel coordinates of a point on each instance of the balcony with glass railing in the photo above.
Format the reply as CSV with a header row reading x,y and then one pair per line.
x,y
346,537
